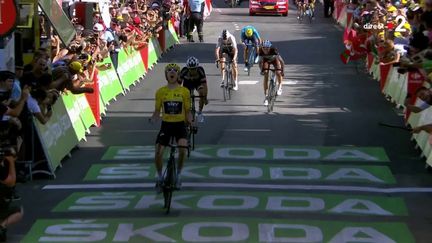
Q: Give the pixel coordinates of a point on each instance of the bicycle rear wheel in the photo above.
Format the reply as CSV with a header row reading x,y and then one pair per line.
x,y
251,60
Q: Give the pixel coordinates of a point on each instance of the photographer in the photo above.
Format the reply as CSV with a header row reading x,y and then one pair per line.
x,y
9,213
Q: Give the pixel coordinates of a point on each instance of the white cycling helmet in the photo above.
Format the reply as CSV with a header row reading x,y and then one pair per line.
x,y
192,62
267,44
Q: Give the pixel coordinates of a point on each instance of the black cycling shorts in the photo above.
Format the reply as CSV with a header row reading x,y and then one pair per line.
x,y
192,85
227,50
171,129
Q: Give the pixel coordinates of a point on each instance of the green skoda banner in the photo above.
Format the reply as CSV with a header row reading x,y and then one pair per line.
x,y
157,47
130,67
57,136
170,36
86,113
152,55
109,83
73,111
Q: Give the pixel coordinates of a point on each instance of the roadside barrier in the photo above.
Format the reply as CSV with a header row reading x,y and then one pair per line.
x,y
395,86
73,115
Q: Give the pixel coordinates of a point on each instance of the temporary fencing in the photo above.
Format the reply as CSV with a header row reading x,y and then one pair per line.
x,y
395,86
73,115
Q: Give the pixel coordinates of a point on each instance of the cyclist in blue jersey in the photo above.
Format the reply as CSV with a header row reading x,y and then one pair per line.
x,y
249,33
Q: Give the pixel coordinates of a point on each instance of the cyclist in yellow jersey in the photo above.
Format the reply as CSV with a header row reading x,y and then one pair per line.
x,y
174,102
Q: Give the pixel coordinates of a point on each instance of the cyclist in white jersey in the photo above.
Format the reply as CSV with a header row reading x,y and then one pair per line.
x,y
227,48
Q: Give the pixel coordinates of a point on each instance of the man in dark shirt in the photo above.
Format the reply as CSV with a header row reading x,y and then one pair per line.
x,y
9,214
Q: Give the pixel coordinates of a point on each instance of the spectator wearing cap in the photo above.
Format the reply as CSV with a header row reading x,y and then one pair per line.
x,y
111,36
67,77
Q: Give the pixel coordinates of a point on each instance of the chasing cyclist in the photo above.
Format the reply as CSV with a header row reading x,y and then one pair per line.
x,y
303,5
270,55
227,46
174,102
249,34
194,78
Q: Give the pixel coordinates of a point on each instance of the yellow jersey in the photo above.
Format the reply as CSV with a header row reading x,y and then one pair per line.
x,y
174,103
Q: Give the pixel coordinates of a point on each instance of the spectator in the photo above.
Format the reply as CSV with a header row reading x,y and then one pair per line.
x,y
423,94
196,19
68,77
113,42
9,213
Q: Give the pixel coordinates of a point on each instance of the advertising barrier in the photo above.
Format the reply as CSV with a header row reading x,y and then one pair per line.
x,y
73,115
57,136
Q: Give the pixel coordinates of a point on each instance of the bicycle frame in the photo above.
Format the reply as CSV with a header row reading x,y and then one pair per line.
x,y
251,55
271,91
228,80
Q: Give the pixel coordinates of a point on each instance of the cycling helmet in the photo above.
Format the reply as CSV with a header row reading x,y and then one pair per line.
x,y
249,32
192,62
267,44
172,66
224,34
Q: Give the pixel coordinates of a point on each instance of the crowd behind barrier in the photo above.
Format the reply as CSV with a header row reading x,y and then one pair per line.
x,y
48,106
394,38
52,102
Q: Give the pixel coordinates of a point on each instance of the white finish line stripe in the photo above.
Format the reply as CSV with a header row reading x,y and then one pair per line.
x,y
248,82
248,186
248,130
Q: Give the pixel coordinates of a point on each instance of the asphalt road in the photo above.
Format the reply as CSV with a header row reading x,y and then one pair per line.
x,y
318,169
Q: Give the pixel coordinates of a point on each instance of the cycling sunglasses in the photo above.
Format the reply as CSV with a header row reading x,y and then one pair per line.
x,y
172,69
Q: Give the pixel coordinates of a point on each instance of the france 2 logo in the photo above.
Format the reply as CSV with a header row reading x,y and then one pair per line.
x,y
401,20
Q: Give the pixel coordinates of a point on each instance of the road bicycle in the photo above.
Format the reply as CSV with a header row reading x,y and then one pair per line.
x,y
228,80
170,175
272,90
309,13
306,11
233,3
252,55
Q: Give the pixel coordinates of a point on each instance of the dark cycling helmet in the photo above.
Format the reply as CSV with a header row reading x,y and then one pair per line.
x,y
172,66
192,62
224,34
267,44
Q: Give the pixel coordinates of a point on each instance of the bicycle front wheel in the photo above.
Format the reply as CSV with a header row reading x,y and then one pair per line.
x,y
270,96
169,184
230,85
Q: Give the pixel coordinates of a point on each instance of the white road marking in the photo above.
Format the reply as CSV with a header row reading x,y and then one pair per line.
x,y
247,130
248,186
248,82
289,82
133,131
